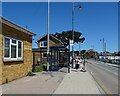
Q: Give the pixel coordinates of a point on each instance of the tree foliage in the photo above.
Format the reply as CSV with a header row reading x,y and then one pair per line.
x,y
83,52
118,54
65,36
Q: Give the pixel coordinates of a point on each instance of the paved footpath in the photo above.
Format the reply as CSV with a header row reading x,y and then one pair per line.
x,y
41,83
77,82
57,83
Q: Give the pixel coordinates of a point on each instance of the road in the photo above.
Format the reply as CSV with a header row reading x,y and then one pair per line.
x,y
105,75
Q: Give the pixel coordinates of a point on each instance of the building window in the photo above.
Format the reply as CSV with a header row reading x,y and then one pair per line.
x,y
43,44
44,55
13,41
12,49
7,47
19,49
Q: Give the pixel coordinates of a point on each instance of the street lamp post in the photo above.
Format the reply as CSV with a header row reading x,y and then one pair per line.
x,y
79,47
73,29
48,29
105,48
103,44
69,57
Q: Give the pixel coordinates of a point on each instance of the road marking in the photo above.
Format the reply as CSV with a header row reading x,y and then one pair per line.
x,y
101,85
98,86
104,68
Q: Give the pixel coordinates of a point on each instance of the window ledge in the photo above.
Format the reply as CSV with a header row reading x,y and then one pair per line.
x,y
43,46
13,60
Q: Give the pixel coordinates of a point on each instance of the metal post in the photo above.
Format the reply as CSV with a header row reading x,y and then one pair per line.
x,y
48,36
72,31
103,46
69,58
79,47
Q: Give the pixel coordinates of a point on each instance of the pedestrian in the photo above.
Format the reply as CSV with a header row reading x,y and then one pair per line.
x,y
77,63
70,60
74,62
81,64
84,64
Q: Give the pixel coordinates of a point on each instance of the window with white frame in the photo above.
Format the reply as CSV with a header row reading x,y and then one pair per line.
x,y
19,49
12,49
43,44
7,48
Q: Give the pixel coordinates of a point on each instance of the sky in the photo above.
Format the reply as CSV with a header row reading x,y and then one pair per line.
x,y
95,21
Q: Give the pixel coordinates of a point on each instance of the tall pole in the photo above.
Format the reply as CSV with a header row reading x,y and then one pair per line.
x,y
72,31
105,48
103,45
69,58
103,41
48,29
79,47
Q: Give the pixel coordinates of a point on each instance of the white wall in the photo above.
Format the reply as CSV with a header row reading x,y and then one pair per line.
x,y
110,57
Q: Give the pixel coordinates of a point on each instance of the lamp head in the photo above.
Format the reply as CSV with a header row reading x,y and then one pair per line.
x,y
80,7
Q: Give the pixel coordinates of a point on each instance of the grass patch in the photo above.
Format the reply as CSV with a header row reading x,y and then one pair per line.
x,y
110,61
30,74
44,67
39,68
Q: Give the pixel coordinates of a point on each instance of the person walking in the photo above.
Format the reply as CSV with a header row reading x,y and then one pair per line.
x,y
83,65
74,62
77,63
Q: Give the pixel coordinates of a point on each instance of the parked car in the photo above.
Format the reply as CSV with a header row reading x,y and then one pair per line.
x,y
117,61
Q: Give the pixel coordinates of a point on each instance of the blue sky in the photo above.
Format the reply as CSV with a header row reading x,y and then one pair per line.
x,y
96,20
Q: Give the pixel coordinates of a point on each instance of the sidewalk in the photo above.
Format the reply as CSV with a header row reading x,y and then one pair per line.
x,y
77,83
55,83
41,83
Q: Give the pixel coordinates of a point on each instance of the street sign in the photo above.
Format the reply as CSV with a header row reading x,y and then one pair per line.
x,y
71,42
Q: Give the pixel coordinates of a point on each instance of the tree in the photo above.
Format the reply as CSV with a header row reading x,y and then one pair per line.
x,y
118,54
65,36
83,52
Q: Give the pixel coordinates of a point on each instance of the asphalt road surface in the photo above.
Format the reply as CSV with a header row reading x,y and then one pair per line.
x,y
105,75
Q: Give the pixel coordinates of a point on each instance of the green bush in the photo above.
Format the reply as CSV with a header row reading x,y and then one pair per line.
x,y
44,67
39,68
30,74
110,61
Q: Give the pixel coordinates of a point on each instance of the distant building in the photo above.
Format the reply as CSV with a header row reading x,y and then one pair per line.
x,y
91,53
107,53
